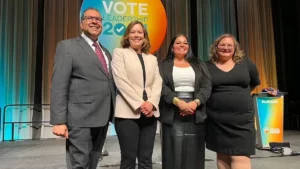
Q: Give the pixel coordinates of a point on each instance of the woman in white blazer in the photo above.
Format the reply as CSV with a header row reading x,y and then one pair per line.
x,y
139,85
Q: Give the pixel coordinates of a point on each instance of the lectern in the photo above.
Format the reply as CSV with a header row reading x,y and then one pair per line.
x,y
269,114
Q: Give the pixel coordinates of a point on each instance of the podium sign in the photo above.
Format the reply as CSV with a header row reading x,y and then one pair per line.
x,y
269,120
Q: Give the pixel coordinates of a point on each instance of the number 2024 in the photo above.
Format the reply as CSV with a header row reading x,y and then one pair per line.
x,y
118,29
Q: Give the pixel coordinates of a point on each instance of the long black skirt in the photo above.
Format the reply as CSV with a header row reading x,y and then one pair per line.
x,y
183,144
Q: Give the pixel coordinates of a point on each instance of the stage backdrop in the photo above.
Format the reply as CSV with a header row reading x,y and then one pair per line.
x,y
18,26
201,20
117,14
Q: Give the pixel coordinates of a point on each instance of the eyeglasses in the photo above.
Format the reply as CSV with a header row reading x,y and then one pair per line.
x,y
91,18
222,46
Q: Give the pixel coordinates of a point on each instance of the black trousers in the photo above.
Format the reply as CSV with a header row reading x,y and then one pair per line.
x,y
183,145
84,147
136,139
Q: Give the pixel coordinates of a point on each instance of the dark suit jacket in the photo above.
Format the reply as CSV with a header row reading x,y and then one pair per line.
x,y
202,91
82,95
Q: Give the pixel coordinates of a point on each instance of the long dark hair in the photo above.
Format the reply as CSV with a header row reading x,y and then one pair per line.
x,y
190,57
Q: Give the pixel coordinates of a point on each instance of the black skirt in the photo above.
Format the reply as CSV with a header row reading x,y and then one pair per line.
x,y
183,143
231,139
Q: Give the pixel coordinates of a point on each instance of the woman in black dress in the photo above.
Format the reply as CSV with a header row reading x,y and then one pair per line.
x,y
230,109
186,88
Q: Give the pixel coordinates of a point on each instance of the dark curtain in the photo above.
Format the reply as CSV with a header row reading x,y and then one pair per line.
x,y
286,19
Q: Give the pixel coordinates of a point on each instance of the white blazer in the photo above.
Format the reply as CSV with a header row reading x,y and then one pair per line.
x,y
128,76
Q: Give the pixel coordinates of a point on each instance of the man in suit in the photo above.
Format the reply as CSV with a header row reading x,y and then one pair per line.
x,y
82,93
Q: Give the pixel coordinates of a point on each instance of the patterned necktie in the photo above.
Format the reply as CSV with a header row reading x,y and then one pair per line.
x,y
100,57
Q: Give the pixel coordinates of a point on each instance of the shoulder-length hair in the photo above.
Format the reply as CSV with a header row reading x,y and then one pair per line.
x,y
190,57
125,39
238,53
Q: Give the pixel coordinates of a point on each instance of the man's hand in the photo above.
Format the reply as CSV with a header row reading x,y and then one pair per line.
x,y
60,130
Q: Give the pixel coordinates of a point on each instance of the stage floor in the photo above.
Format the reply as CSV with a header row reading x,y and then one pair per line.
x,y
49,154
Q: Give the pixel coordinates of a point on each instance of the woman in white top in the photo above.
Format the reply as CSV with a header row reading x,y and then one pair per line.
x,y
186,88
